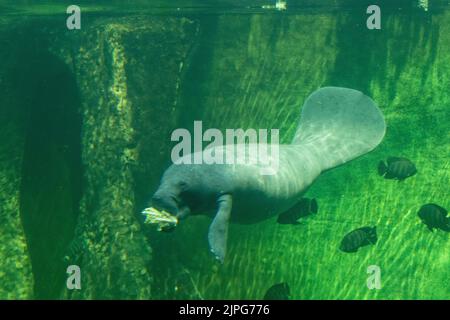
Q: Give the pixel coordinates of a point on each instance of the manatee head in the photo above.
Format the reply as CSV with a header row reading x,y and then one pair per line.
x,y
168,197
165,202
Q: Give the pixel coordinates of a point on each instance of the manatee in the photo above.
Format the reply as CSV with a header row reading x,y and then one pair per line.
x,y
336,125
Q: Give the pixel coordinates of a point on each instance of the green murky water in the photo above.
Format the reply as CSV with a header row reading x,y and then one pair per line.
x,y
86,117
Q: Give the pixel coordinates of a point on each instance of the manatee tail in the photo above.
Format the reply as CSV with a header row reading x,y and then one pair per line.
x,y
339,124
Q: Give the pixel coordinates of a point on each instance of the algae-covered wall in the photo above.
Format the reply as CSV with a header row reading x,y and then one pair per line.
x,y
135,66
15,266
86,121
81,111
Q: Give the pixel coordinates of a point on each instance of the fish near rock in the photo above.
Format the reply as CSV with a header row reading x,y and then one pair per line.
x,y
279,291
303,208
434,217
396,168
358,238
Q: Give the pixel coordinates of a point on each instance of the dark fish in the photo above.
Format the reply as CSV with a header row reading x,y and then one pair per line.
x,y
303,208
396,168
358,238
279,291
435,217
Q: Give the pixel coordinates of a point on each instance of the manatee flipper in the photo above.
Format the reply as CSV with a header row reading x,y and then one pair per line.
x,y
339,124
218,230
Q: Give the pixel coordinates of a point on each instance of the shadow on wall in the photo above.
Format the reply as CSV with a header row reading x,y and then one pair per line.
x,y
51,173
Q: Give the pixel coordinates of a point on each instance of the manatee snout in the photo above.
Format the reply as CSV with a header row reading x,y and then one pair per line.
x,y
165,202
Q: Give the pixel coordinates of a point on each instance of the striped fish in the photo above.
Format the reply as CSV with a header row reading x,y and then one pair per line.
x,y
358,238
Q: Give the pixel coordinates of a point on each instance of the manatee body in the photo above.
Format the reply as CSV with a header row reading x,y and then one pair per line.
x,y
336,125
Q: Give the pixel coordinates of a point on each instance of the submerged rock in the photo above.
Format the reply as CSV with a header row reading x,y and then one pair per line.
x,y
135,66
